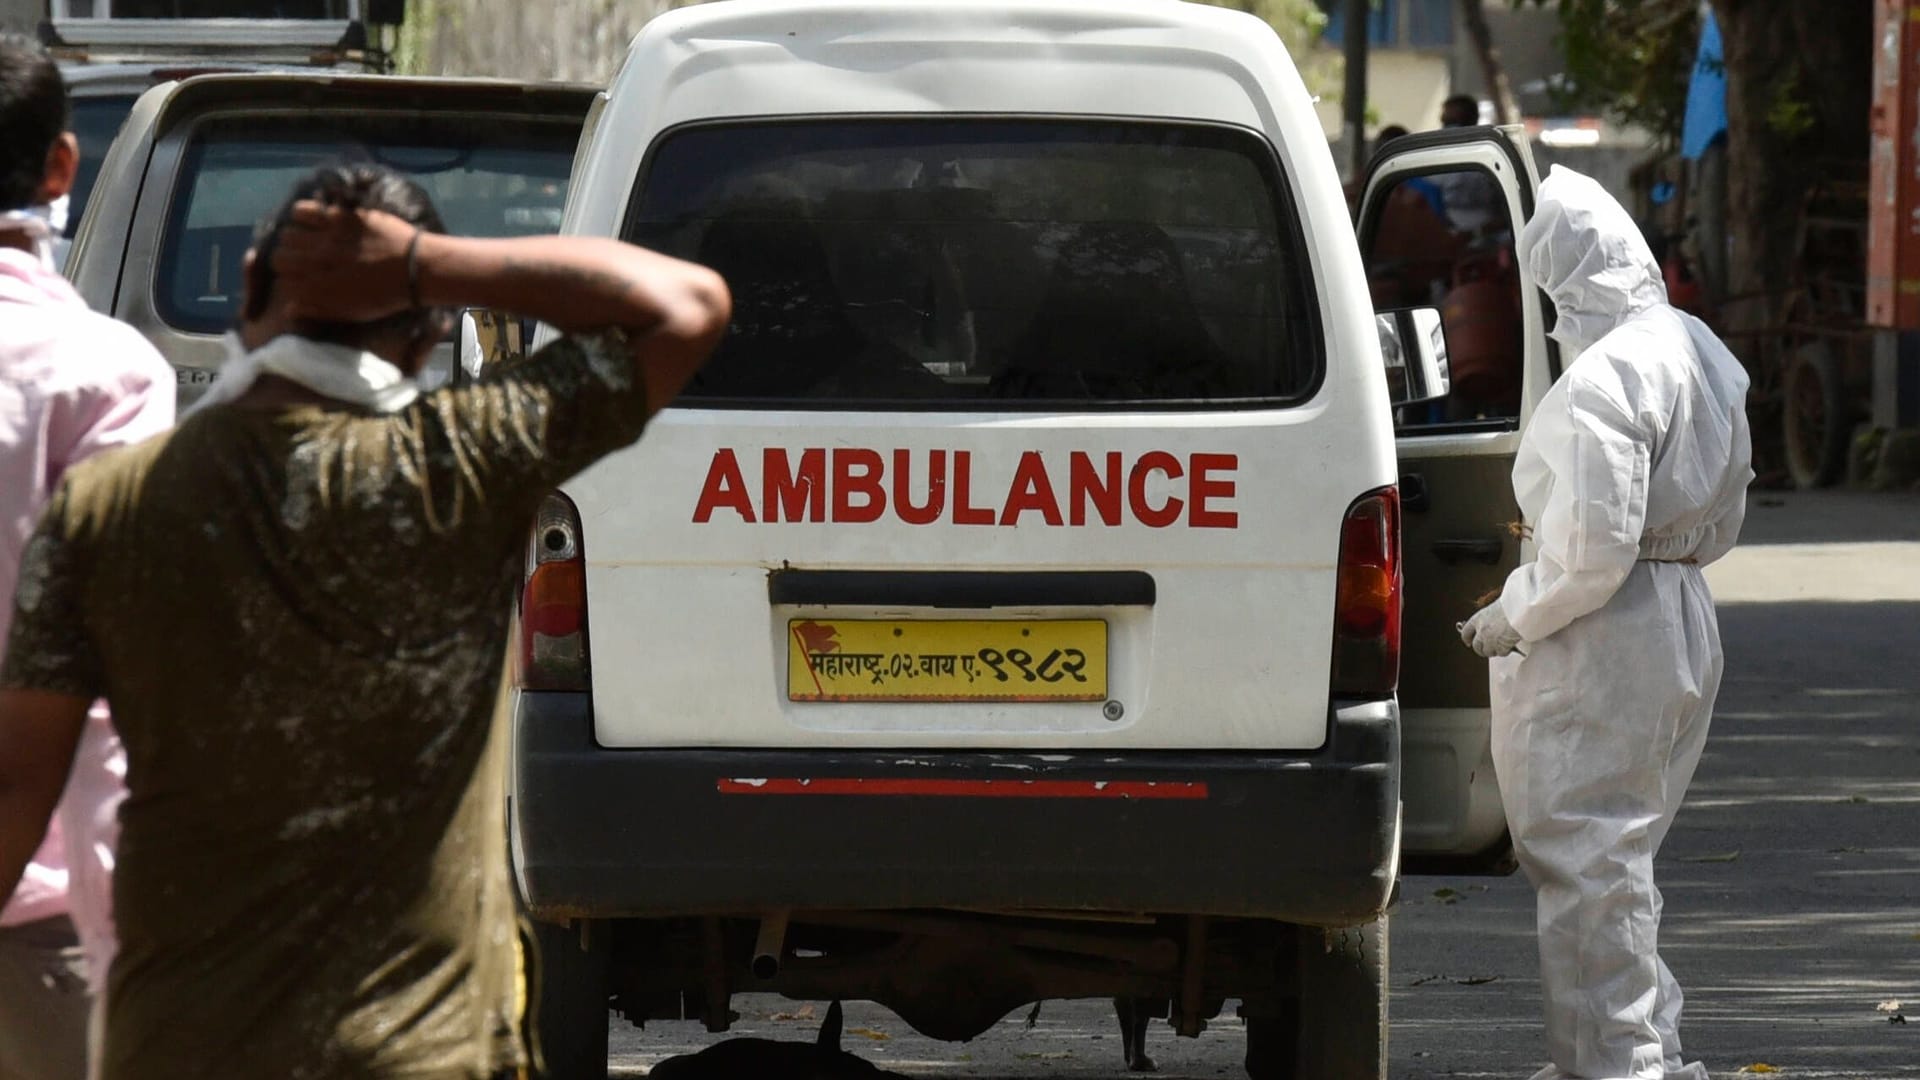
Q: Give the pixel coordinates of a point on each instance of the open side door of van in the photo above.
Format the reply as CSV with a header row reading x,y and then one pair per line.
x,y
1438,220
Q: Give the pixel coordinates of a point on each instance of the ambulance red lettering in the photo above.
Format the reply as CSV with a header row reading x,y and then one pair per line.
x,y
865,482
852,486
786,492
903,487
1168,512
725,488
1205,486
1030,491
1087,488
964,512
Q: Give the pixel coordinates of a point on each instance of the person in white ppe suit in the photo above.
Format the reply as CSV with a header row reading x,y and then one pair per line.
x,y
1632,475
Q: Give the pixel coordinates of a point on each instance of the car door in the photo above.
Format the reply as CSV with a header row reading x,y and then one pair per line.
x,y
1438,220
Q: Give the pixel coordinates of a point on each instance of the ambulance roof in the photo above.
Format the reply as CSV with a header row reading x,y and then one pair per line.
x,y
1130,57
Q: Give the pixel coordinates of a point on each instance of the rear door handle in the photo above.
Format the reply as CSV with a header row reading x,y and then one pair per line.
x,y
1483,551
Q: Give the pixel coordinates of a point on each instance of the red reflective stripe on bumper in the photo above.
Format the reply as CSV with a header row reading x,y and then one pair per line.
x,y
965,789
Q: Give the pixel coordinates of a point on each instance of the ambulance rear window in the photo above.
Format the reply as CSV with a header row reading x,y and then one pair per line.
x,y
989,263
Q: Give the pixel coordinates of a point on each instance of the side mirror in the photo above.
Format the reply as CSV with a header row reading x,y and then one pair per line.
x,y
485,338
481,338
1414,345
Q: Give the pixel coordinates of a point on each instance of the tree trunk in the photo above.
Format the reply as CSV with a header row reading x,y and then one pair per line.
x,y
1784,61
1799,87
1473,14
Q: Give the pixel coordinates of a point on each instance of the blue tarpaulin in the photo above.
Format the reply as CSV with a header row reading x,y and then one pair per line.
x,y
1706,95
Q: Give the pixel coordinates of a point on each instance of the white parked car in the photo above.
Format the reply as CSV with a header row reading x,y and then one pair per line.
x,y
1013,608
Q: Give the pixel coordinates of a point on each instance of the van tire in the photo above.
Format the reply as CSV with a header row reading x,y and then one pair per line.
x,y
568,1006
1339,1030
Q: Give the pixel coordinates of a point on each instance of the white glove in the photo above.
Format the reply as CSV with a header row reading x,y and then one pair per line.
x,y
1489,633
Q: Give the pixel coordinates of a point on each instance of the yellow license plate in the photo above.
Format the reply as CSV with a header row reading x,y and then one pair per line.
x,y
946,660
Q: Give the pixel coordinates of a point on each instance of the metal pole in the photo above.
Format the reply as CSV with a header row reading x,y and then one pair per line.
x,y
770,945
1354,104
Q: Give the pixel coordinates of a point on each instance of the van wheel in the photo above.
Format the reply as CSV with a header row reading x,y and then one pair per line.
x,y
568,996
1338,1031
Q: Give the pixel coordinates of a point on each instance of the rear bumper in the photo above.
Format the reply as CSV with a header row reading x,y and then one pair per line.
x,y
600,833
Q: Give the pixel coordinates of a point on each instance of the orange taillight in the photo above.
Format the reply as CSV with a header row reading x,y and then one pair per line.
x,y
553,604
1366,612
552,617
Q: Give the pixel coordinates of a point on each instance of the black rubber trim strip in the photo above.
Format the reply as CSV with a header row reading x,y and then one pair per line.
x,y
963,589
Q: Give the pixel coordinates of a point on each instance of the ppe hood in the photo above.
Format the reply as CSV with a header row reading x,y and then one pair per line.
x,y
1585,250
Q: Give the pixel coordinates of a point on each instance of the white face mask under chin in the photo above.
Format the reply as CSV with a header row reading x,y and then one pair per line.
x,y
42,225
1578,332
336,371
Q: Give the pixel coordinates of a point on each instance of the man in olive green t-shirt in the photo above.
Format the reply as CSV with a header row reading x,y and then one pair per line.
x,y
297,604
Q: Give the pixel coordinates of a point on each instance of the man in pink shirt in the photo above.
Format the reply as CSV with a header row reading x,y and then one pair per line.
x,y
72,383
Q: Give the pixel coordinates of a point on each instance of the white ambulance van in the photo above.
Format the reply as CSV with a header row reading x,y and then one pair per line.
x,y
1014,608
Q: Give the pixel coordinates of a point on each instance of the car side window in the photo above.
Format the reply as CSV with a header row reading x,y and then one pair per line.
x,y
1445,239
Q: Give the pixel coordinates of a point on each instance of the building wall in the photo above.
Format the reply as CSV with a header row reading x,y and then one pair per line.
x,y
581,40
1529,49
20,16
1404,87
1612,166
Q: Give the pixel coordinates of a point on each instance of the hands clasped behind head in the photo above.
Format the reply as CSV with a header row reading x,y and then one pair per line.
x,y
344,265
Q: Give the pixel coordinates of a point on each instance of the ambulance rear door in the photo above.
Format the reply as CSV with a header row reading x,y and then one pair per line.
x,y
1029,432
1437,227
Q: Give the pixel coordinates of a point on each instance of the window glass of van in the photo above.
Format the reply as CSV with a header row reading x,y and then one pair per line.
x,y
96,121
958,262
488,176
1445,239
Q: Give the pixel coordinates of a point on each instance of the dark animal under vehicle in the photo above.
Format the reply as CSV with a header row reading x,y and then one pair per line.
x,y
768,1059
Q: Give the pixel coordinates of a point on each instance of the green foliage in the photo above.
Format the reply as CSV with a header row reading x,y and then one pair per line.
x,y
1299,24
1631,59
1789,113
410,51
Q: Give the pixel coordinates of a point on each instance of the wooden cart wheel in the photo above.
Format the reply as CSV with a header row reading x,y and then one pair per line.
x,y
1816,429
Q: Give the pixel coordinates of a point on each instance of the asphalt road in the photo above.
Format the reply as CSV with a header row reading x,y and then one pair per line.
x,y
1792,877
